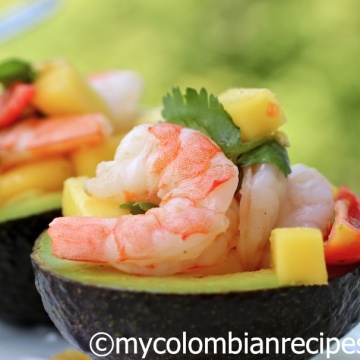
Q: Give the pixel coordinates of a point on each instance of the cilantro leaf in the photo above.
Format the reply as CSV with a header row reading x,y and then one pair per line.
x,y
205,113
14,70
137,208
270,151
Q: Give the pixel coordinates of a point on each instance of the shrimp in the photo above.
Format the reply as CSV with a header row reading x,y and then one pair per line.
x,y
35,138
310,200
121,90
221,256
263,190
269,200
182,171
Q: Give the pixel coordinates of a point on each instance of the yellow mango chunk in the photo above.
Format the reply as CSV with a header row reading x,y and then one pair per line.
x,y
298,257
76,202
86,158
62,90
256,112
40,176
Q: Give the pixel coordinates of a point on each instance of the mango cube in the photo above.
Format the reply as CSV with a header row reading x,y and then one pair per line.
x,y
62,90
298,257
76,202
256,112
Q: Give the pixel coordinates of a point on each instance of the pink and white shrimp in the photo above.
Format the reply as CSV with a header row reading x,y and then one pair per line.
x,y
179,169
309,201
269,200
209,262
35,138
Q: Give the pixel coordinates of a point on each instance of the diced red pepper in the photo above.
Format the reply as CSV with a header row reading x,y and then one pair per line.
x,y
13,102
343,243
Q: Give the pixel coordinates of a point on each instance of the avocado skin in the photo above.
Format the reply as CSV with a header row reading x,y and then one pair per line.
x,y
19,300
79,311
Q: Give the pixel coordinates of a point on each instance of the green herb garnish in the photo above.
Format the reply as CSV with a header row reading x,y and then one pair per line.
x,y
203,112
137,208
272,152
15,70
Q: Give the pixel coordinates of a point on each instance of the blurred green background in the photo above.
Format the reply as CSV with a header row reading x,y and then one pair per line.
x,y
306,51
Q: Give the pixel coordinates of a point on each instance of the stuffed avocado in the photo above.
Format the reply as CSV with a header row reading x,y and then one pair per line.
x,y
54,124
221,235
83,299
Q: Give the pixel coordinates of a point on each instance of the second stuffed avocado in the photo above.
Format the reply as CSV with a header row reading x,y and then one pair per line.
x,y
54,123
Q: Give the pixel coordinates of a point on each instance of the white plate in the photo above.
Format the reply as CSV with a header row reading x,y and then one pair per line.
x,y
42,342
30,343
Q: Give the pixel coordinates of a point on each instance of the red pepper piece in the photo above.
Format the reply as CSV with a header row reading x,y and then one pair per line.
x,y
13,101
343,244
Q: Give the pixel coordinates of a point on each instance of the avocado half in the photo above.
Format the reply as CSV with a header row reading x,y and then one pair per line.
x,y
20,225
83,299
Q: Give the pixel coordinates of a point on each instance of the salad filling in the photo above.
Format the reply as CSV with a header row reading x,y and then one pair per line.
x,y
200,195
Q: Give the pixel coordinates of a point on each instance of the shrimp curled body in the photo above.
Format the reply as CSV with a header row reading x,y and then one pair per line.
x,y
179,169
269,200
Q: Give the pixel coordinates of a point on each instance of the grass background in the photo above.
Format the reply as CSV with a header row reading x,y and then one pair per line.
x,y
306,51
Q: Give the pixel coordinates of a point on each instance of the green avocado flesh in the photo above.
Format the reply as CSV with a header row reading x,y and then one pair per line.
x,y
85,299
30,206
104,275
